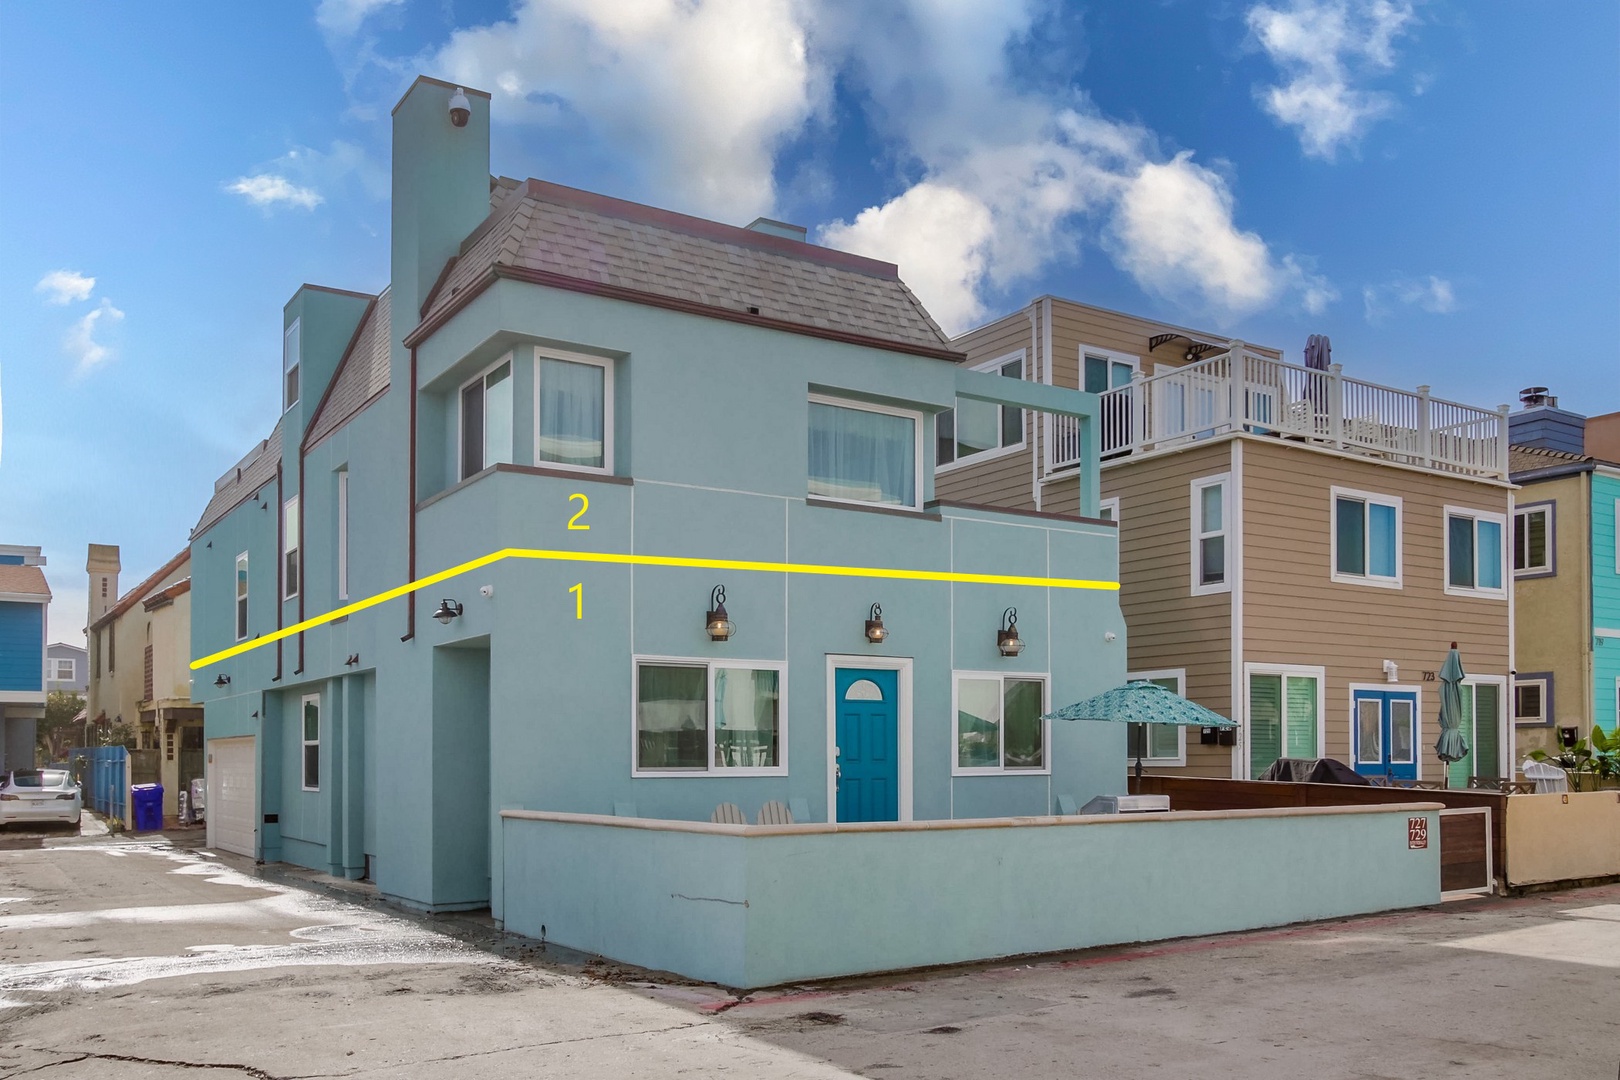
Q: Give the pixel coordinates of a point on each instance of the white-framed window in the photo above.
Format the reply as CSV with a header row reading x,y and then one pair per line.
x,y
486,418
1211,528
998,723
1475,554
1108,509
1533,540
1103,369
309,712
290,568
865,454
1159,744
241,601
1532,699
1285,706
65,670
343,534
698,717
573,411
1366,538
290,351
978,430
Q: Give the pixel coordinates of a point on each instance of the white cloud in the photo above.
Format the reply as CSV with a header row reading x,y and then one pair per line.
x,y
268,190
1431,293
81,346
63,286
342,18
1321,48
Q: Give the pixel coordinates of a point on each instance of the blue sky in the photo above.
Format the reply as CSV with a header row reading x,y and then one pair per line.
x,y
1433,184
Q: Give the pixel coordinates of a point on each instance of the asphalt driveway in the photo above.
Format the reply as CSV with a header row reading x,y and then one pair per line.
x,y
124,958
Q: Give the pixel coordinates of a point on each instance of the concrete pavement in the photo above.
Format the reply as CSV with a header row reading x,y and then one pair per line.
x,y
132,958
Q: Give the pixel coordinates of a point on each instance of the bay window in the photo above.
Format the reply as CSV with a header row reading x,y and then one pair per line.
x,y
573,419
486,419
864,454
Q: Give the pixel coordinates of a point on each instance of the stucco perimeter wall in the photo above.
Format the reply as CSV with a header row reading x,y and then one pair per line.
x,y
752,906
1563,837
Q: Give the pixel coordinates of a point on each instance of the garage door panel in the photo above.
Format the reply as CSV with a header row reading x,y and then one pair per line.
x,y
232,809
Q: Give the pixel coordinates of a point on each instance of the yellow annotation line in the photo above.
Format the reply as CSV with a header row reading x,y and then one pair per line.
x,y
624,559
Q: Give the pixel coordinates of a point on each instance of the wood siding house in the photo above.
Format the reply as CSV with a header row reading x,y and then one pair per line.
x,y
1236,478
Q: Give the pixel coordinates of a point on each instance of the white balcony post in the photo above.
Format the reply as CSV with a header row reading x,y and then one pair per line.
x,y
1138,434
1502,441
1336,404
1237,385
1425,429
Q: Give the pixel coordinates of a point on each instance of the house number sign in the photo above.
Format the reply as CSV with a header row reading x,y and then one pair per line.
x,y
1417,833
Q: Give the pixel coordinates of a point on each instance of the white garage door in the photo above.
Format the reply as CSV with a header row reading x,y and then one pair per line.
x,y
233,805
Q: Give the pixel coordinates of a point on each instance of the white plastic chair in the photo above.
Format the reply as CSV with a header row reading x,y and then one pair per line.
x,y
1549,778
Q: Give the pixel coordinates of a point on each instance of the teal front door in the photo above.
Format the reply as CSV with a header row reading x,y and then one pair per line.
x,y
867,764
1385,723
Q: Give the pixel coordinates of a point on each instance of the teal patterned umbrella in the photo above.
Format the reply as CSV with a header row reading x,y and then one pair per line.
x,y
1451,746
1142,703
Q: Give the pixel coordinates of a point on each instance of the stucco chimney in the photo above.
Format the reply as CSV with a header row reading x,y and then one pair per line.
x,y
102,565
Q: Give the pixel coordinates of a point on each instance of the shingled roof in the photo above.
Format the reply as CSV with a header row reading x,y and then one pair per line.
x,y
362,374
567,238
1529,459
245,478
24,581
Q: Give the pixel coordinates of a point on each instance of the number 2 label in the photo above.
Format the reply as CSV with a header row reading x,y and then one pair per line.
x,y
584,505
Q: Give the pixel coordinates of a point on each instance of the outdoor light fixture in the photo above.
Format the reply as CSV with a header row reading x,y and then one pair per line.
x,y
716,621
354,658
460,110
1007,639
875,632
448,609
222,680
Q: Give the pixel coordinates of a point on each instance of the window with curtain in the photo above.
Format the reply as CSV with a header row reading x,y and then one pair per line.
x,y
978,427
863,455
573,411
1283,718
672,716
747,718
998,723
1473,551
1210,529
486,420
1156,742
1366,538
701,717
1532,540
312,742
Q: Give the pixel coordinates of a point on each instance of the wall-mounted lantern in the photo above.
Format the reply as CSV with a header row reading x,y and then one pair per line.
x,y
1007,639
876,633
716,621
222,680
448,609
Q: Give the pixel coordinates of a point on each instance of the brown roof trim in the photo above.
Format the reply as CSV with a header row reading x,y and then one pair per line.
x,y
364,405
709,230
688,307
431,81
337,292
139,592
348,352
438,283
168,595
1048,515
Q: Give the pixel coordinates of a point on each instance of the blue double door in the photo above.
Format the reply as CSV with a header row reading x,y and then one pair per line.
x,y
867,733
1384,724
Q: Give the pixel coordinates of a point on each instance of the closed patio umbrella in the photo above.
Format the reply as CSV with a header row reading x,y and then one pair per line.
x,y
1142,703
1451,746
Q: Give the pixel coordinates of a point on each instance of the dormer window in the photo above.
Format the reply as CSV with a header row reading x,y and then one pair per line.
x,y
289,366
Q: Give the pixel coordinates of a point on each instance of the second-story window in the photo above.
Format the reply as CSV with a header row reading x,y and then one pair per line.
x,y
343,534
1366,538
1211,515
486,419
241,601
1533,540
290,568
289,365
979,427
864,453
573,415
1474,556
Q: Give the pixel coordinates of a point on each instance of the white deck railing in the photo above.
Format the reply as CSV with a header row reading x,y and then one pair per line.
x,y
1243,391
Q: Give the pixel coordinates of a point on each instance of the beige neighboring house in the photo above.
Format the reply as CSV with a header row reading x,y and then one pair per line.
x,y
1298,548
140,651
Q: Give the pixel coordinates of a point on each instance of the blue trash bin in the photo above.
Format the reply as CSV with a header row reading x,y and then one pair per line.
x,y
148,800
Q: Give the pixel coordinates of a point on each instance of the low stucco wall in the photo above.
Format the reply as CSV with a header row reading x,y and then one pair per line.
x,y
750,906
1563,837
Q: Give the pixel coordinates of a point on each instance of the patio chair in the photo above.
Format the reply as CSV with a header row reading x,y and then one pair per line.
x,y
728,813
774,813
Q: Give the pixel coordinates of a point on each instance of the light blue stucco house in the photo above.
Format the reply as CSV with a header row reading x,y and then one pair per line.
x,y
687,407
25,597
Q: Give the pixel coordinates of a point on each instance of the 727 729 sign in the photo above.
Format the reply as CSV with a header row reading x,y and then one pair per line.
x,y
1417,833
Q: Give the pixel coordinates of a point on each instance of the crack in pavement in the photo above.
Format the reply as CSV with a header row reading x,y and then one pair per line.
x,y
86,1055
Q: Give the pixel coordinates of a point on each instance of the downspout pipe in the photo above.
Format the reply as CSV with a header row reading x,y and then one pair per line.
x,y
410,519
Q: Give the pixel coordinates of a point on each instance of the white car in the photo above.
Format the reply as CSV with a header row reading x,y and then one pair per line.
x,y
36,795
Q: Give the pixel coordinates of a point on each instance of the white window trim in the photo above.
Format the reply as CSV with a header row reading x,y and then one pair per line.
x,y
1195,552
290,546
917,419
1111,355
343,534
1180,675
1001,678
1317,673
983,456
304,744
1109,504
1506,553
1525,512
1369,498
709,770
1513,703
289,363
461,442
606,365
72,669
1417,719
239,623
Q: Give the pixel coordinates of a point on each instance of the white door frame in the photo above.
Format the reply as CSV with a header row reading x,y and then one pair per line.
x,y
1387,688
901,664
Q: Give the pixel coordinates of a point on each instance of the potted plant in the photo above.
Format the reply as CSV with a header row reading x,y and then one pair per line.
x,y
1591,765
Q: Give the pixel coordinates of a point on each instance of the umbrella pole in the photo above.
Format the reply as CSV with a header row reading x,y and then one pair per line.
x,y
1139,768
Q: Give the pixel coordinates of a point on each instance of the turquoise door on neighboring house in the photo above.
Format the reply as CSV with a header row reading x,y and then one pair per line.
x,y
1385,726
868,750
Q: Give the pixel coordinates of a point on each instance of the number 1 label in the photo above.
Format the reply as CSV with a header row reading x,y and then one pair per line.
x,y
579,600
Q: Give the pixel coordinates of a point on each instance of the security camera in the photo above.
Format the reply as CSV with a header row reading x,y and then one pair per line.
x,y
460,109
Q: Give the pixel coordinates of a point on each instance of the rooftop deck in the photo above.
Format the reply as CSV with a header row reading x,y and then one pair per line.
x,y
1244,391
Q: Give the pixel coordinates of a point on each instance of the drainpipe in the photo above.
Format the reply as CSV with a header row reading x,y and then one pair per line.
x,y
410,519
280,585
303,556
